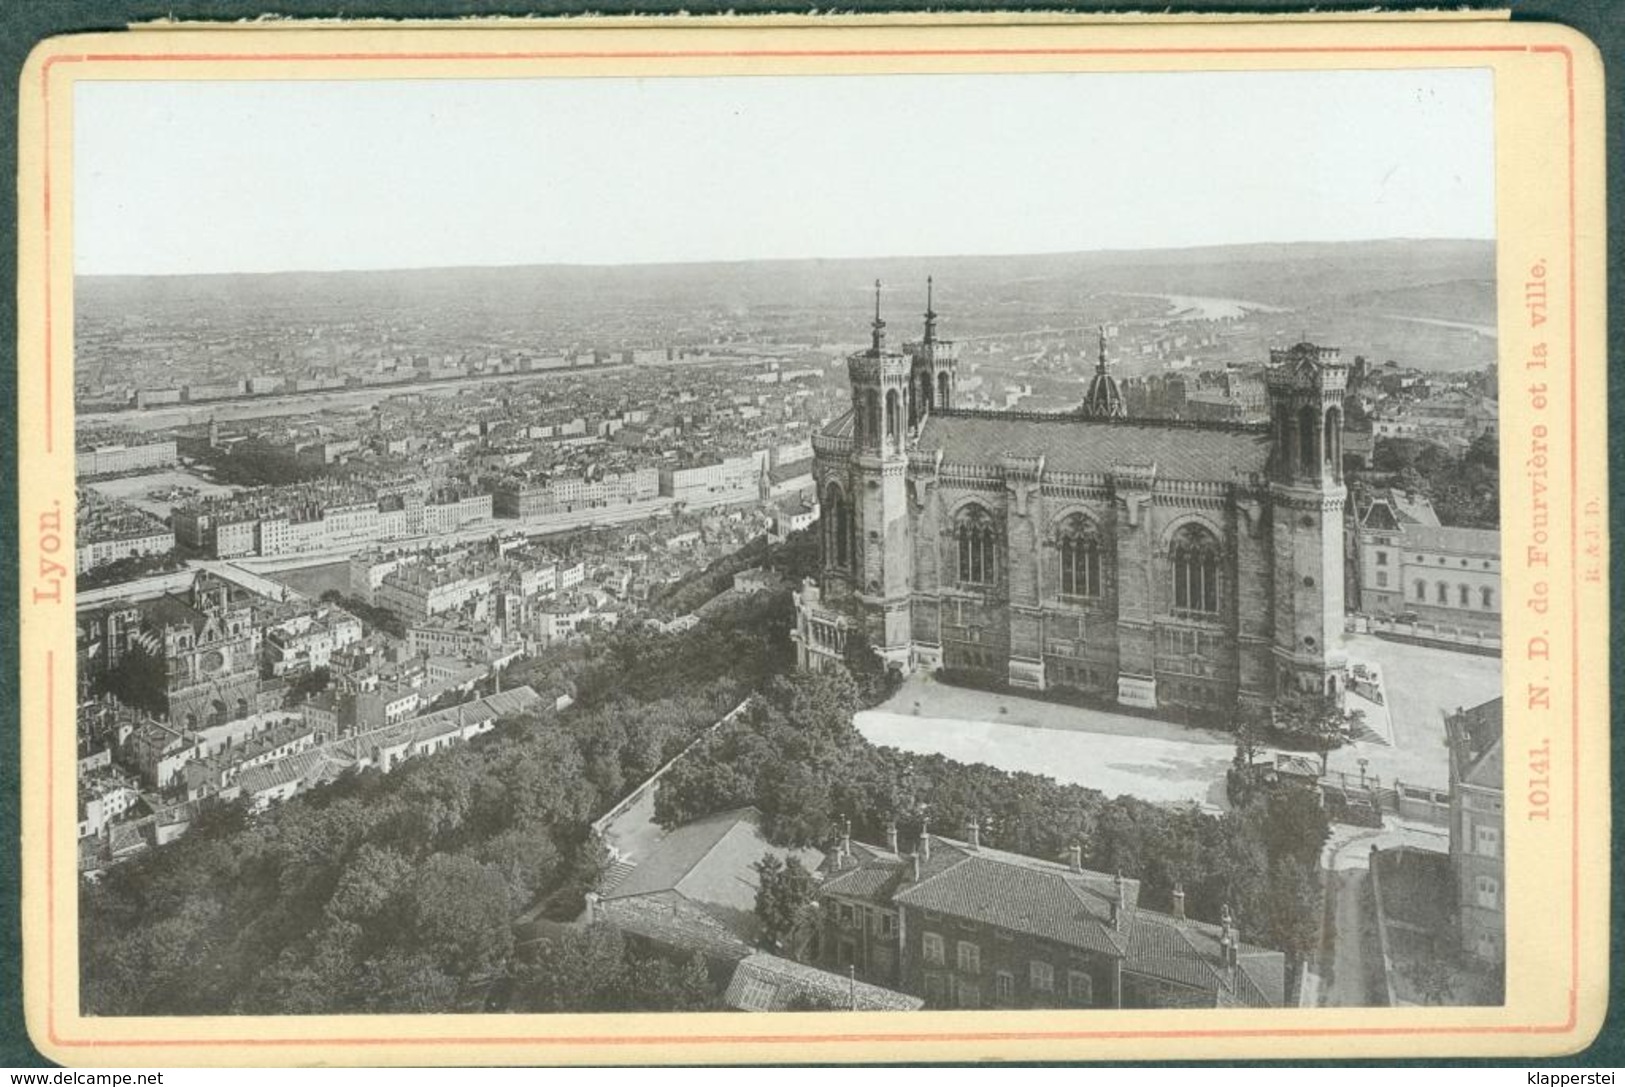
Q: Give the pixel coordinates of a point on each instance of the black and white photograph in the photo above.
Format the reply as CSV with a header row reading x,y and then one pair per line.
x,y
879,543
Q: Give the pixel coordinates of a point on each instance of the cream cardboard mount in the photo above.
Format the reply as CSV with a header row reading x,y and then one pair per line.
x,y
1102,585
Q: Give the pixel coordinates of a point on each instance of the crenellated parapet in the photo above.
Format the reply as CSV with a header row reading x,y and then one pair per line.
x,y
1306,367
1134,477
868,368
1021,469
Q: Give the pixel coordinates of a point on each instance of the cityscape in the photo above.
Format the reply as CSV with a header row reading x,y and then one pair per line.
x,y
1076,630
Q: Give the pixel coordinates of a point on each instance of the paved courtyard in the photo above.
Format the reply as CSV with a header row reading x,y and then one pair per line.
x,y
1166,762
136,489
1115,753
1422,686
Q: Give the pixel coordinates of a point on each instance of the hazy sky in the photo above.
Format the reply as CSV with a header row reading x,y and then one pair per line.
x,y
265,176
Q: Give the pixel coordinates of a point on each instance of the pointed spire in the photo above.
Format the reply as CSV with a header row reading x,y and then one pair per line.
x,y
1100,360
879,325
930,315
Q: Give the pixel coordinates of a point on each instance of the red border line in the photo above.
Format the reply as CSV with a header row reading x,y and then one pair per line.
x,y
1574,564
50,843
687,1039
50,415
712,54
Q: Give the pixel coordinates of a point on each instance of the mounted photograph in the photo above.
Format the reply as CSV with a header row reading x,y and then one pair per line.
x,y
556,542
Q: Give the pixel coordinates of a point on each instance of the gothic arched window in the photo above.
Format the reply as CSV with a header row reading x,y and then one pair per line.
x,y
1308,442
1194,557
837,517
1079,548
1334,441
976,541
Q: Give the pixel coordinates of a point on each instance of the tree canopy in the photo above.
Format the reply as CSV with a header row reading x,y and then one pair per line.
x,y
400,892
1465,491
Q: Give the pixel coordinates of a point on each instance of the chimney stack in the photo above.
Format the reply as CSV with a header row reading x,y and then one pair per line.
x,y
592,907
925,838
973,833
891,836
846,841
916,866
1227,936
1117,901
1076,857
1179,902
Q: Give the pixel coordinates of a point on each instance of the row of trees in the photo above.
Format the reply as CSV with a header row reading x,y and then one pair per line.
x,y
128,568
794,558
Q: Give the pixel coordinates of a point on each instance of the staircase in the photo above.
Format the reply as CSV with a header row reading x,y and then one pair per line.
x,y
615,875
1363,733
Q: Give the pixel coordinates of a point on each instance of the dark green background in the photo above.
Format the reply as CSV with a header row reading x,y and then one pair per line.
x,y
25,22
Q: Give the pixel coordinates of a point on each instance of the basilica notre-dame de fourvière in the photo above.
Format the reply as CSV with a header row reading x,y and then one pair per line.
x,y
1163,565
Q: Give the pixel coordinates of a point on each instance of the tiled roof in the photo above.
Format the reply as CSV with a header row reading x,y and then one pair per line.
x,y
1189,953
1470,541
1299,765
710,861
1053,905
311,767
666,917
1094,446
1379,517
125,838
871,882
1412,510
1051,901
1475,743
768,983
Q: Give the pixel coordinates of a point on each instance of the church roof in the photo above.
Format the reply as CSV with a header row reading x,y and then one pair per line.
x,y
839,427
1094,446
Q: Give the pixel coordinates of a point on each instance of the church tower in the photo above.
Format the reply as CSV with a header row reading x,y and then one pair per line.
x,y
1104,400
933,363
1306,385
878,492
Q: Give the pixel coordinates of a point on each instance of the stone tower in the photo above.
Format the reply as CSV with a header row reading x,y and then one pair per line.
x,y
933,363
1306,385
878,493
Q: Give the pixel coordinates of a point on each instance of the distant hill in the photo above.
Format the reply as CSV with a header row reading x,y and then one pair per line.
x,y
1468,300
1449,280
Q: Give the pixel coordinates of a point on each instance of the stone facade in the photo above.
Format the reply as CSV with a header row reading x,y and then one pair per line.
x,y
1477,829
961,925
1162,565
